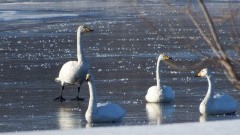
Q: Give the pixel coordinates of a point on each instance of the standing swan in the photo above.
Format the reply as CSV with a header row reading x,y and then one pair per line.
x,y
107,112
218,104
74,72
159,93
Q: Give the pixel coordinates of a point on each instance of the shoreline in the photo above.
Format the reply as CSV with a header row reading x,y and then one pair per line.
x,y
228,127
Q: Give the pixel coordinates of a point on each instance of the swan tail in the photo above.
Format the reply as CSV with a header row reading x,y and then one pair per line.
x,y
58,80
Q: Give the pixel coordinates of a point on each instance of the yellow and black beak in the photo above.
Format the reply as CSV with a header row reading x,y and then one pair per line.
x,y
167,57
87,29
88,77
198,75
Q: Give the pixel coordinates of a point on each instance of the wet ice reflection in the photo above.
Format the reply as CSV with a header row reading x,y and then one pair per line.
x,y
157,112
205,118
66,119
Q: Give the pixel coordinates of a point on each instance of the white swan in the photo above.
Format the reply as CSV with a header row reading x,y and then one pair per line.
x,y
74,72
215,104
107,112
159,93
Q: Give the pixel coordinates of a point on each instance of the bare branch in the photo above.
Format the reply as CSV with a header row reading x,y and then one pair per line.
x,y
196,65
230,72
212,41
202,32
212,29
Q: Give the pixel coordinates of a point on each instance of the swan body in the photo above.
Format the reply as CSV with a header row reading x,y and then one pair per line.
x,y
215,104
108,112
74,72
78,71
96,112
159,93
155,94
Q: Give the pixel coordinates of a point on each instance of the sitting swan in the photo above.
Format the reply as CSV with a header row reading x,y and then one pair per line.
x,y
107,112
215,104
74,72
159,93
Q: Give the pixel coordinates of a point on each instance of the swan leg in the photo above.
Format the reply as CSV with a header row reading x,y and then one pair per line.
x,y
77,97
60,98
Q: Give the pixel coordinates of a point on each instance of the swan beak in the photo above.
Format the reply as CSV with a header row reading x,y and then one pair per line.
x,y
88,78
198,75
167,58
87,29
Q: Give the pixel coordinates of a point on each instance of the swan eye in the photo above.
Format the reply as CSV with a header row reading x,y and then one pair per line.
x,y
204,72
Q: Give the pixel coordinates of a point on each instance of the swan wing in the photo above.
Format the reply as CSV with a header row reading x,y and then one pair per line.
x,y
153,94
168,94
109,112
224,104
72,72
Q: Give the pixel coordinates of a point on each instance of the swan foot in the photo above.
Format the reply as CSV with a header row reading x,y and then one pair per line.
x,y
60,98
78,99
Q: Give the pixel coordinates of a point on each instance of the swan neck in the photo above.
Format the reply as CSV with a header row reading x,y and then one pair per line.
x,y
158,77
210,92
92,105
80,52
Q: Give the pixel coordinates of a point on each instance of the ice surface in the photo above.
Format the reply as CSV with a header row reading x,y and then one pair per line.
x,y
221,128
39,36
15,15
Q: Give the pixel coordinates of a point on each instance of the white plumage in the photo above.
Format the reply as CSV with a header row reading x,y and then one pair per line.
x,y
74,72
160,93
215,104
107,112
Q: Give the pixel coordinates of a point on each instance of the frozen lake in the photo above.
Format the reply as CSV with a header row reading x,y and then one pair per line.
x,y
38,37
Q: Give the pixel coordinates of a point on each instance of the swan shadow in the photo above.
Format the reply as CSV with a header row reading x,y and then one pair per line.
x,y
158,112
206,118
103,124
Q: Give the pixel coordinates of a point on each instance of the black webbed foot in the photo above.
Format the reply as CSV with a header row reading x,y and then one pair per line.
x,y
60,98
78,99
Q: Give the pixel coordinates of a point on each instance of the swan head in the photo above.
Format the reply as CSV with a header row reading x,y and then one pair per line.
x,y
83,29
88,77
164,57
204,72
